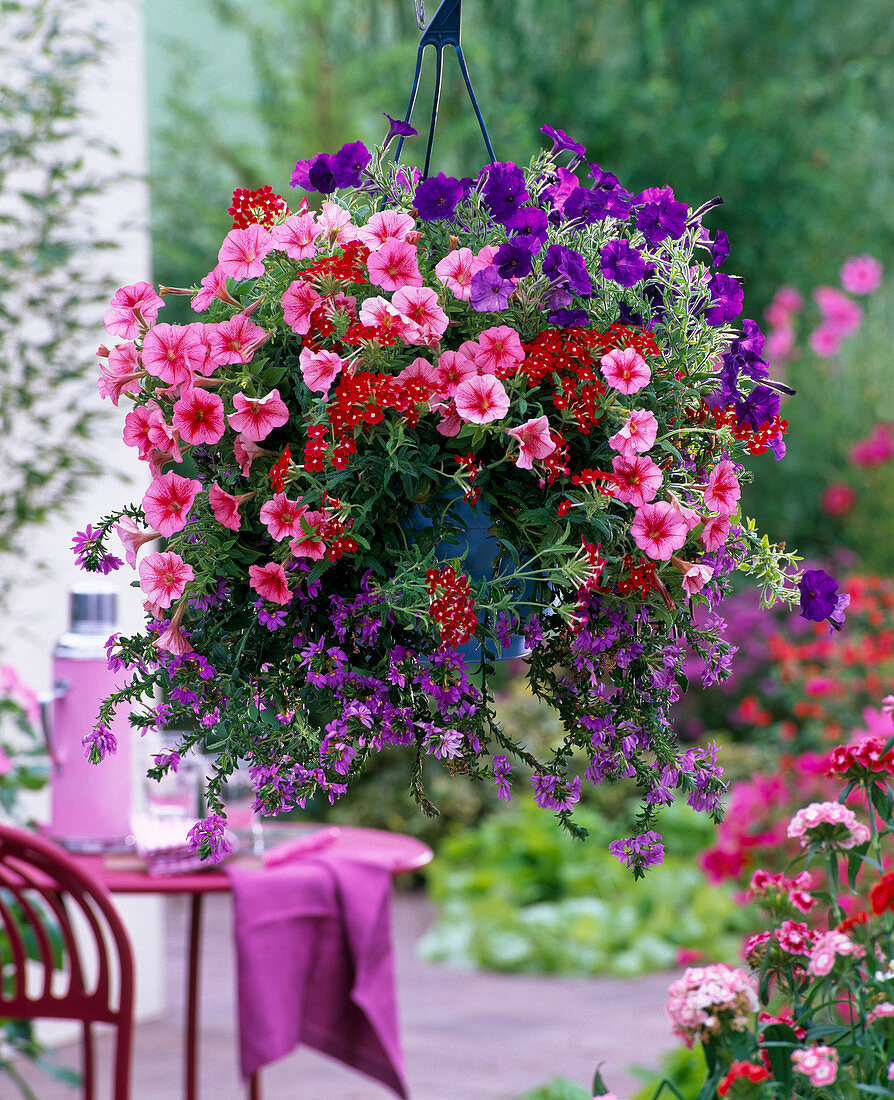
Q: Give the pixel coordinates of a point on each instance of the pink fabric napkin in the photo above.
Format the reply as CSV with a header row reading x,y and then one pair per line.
x,y
315,964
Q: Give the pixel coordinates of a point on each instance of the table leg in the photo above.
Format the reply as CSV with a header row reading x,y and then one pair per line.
x,y
191,1060
254,1087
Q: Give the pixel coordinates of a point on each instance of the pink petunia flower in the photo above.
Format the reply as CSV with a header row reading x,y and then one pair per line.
x,y
168,500
245,452
535,441
453,368
319,369
136,427
164,577
199,416
637,435
716,532
500,351
335,225
132,538
270,582
450,424
637,479
243,250
455,271
282,517
309,543
379,313
420,370
695,575
132,307
387,225
861,274
214,285
297,236
225,506
256,417
394,266
235,340
298,304
481,400
173,640
419,304
172,353
625,370
723,492
658,530
121,373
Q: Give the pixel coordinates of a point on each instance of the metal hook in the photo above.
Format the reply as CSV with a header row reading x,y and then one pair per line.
x,y
444,30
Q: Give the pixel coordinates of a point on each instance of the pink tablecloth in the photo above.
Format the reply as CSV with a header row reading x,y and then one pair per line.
x,y
315,963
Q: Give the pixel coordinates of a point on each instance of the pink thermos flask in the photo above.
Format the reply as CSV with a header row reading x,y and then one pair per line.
x,y
90,804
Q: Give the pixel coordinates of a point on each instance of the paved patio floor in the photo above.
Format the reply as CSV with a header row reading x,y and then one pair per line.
x,y
467,1035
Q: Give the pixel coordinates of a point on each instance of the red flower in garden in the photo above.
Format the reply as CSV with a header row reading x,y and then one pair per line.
x,y
881,896
742,1071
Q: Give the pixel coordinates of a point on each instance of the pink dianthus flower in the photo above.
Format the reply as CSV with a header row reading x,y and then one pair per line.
x,y
819,1064
829,822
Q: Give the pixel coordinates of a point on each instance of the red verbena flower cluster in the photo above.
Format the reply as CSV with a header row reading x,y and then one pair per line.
x,y
262,206
451,606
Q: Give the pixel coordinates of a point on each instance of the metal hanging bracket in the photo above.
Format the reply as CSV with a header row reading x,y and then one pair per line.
x,y
443,30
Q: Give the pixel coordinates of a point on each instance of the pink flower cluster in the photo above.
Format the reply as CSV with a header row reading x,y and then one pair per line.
x,y
796,891
828,823
708,999
819,1064
827,948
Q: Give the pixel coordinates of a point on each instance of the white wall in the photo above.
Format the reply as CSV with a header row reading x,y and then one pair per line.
x,y
114,102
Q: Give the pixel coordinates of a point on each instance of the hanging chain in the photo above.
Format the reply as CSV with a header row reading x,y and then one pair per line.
x,y
420,14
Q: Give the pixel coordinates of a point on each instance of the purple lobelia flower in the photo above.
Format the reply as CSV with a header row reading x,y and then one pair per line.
x,y
562,142
513,260
99,743
437,198
622,263
348,164
504,190
662,218
490,292
726,299
208,838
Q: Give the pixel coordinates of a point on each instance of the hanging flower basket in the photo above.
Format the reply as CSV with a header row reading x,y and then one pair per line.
x,y
555,351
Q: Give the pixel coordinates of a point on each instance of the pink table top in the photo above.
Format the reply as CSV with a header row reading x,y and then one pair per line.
x,y
127,874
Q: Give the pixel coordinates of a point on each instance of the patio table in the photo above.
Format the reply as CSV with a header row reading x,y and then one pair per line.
x,y
127,874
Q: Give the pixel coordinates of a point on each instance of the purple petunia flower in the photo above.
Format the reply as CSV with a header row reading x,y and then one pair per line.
x,y
726,299
513,260
562,142
622,263
320,174
489,291
759,407
528,226
437,198
397,128
719,249
662,218
820,597
587,205
569,318
348,164
567,268
504,190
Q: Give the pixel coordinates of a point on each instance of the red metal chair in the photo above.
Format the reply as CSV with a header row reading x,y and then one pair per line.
x,y
66,954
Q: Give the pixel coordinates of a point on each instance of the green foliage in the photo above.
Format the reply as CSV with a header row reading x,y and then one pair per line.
x,y
515,894
684,1068
783,109
47,253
